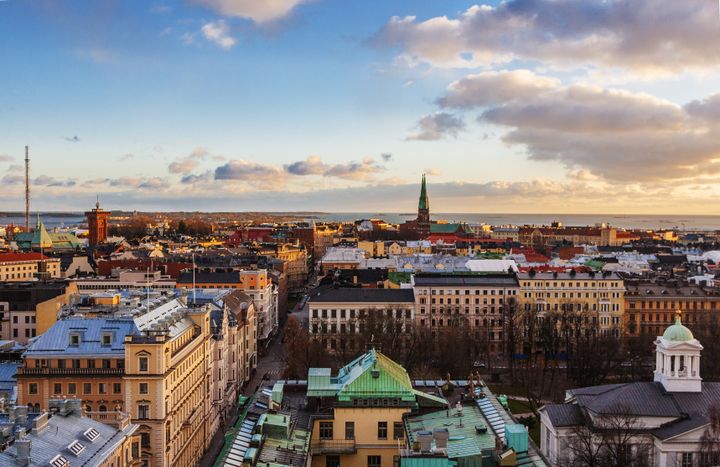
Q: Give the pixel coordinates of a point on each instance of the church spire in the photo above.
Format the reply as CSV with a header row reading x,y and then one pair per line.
x,y
424,203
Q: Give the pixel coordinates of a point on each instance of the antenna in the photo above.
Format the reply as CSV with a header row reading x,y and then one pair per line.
x,y
27,190
193,261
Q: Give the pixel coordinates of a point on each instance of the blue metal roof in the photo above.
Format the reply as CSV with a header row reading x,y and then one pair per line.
x,y
56,341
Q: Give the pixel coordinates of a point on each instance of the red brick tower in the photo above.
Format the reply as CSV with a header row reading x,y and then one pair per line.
x,y
97,224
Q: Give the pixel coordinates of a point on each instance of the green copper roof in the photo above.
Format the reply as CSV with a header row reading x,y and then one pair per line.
x,y
370,376
449,228
677,332
424,202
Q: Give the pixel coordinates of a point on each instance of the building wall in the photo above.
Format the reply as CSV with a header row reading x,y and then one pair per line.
x,y
12,271
366,434
649,314
477,306
602,298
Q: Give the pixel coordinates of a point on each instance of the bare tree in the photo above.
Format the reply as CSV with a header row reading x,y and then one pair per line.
x,y
710,439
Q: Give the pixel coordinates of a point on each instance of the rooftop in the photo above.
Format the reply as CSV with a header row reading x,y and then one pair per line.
x,y
485,280
363,295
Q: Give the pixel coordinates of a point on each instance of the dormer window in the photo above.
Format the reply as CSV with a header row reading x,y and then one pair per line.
x,y
74,339
106,339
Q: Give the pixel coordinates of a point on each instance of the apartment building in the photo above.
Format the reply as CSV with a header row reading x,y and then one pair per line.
x,y
443,300
650,307
337,312
254,282
175,364
28,309
601,296
26,266
359,413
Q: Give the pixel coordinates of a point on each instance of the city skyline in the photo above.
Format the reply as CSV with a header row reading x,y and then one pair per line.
x,y
328,105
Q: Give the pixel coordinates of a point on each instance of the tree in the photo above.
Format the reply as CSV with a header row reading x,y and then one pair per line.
x,y
301,352
710,439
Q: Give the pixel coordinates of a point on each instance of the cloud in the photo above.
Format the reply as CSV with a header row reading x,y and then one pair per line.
x,y
45,180
241,170
10,179
15,168
611,133
151,183
313,165
218,33
72,139
643,35
433,172
259,11
126,157
6,158
437,126
188,163
190,179
386,156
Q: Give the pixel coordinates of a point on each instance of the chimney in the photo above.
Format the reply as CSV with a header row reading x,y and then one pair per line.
x,y
73,406
21,414
40,422
441,436
424,440
22,447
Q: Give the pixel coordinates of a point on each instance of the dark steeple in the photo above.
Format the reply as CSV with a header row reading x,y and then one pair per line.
x,y
423,218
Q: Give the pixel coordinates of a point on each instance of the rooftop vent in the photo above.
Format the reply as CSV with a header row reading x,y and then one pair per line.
x,y
59,461
92,434
76,447
375,373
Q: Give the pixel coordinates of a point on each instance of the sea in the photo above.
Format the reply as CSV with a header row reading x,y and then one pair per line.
x,y
629,221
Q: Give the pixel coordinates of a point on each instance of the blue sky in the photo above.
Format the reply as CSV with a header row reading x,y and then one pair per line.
x,y
340,105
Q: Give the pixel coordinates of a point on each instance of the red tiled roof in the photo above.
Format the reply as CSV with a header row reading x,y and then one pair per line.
x,y
9,257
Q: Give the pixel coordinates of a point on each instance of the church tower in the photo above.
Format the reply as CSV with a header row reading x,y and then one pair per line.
x,y
97,220
677,359
423,218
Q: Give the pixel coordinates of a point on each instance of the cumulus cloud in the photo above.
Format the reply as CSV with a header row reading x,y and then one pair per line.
x,y
437,126
218,32
635,34
241,170
313,165
187,164
259,11
615,134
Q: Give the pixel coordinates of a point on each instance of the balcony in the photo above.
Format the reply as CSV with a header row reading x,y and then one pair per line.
x,y
333,446
71,371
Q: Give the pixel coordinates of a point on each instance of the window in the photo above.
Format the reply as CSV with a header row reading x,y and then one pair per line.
x,y
106,364
143,364
76,363
61,364
143,388
374,461
326,430
144,413
117,388
72,388
87,388
106,340
91,363
686,460
398,430
382,430
74,340
33,388
145,440
102,388
57,388
332,461
349,430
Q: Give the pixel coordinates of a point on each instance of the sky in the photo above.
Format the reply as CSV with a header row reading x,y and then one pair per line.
x,y
520,106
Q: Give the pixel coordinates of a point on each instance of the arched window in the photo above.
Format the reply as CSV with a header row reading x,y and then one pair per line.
x,y
102,408
37,408
31,408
